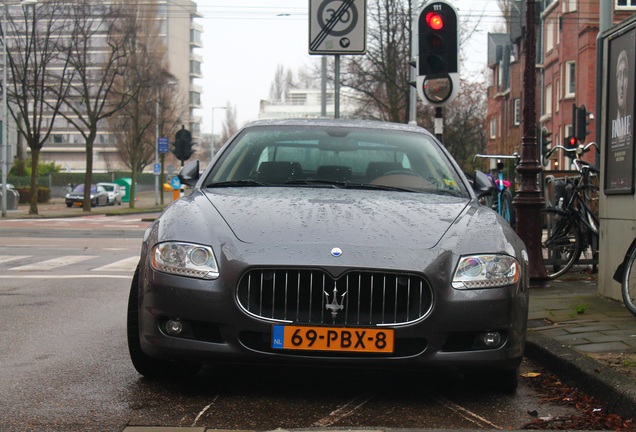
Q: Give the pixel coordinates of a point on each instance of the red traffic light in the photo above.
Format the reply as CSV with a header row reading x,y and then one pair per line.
x,y
434,21
574,141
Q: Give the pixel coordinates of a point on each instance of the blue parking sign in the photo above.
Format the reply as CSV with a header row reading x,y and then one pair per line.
x,y
163,145
157,168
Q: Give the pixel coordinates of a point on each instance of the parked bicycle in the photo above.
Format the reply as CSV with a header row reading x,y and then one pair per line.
x,y
571,227
501,198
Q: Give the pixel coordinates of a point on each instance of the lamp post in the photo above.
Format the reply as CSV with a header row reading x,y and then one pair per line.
x,y
212,132
5,123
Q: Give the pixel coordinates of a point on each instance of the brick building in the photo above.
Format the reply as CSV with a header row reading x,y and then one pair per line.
x,y
566,73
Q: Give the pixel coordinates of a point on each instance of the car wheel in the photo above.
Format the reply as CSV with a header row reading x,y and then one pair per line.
x,y
501,381
145,365
69,205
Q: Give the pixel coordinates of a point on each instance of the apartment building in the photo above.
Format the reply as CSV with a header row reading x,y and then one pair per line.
x,y
181,35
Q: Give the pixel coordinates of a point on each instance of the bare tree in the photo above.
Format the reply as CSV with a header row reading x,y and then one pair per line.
x,y
37,64
282,83
145,75
229,124
96,66
381,77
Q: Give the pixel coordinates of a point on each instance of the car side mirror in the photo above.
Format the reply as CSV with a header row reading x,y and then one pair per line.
x,y
482,185
189,174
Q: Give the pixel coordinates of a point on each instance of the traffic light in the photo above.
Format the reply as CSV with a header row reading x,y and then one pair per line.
x,y
438,41
545,144
582,121
183,145
437,60
571,142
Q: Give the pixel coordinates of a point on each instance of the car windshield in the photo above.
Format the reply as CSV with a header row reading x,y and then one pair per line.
x,y
334,156
79,189
108,188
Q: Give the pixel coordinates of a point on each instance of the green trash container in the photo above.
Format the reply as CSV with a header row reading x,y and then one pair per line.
x,y
126,184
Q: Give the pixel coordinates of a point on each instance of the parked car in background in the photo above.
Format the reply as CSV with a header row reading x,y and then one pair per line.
x,y
75,198
115,192
335,243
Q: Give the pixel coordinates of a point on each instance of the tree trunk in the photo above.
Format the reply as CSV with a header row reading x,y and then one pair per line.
x,y
35,160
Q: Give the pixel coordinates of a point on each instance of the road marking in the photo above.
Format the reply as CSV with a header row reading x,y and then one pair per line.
x,y
54,263
204,410
344,411
125,265
48,276
9,258
466,414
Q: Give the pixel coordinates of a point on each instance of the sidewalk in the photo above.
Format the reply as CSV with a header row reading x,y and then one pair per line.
x,y
569,323
56,207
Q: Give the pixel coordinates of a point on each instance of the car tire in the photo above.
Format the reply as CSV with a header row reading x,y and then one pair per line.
x,y
144,364
501,381
69,205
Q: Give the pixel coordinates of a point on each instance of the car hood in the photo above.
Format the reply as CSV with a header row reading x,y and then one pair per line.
x,y
282,215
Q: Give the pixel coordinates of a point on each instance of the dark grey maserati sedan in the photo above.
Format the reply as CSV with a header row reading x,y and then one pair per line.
x,y
335,243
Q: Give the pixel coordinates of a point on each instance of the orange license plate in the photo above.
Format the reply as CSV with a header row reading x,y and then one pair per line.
x,y
316,338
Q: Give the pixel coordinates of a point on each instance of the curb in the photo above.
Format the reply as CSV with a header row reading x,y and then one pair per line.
x,y
617,392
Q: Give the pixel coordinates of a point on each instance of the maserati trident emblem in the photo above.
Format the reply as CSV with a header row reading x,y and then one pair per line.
x,y
333,305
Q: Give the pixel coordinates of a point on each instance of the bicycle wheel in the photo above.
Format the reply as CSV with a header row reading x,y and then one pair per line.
x,y
560,242
507,209
628,283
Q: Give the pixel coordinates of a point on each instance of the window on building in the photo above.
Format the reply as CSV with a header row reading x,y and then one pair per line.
x,y
572,5
625,4
493,128
516,112
547,107
549,36
558,95
570,79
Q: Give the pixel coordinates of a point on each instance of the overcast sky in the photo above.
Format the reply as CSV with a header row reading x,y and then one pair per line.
x,y
245,40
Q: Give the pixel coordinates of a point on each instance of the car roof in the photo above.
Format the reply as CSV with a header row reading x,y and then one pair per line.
x,y
348,123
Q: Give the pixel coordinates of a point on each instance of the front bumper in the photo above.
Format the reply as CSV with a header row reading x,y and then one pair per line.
x,y
217,329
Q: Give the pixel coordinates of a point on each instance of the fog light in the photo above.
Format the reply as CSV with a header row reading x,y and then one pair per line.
x,y
174,327
492,339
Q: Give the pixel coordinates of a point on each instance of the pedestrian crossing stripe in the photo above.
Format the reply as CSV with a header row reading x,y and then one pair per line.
x,y
55,262
9,258
127,265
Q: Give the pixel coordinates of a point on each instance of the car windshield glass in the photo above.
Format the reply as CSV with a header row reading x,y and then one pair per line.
x,y
332,156
109,188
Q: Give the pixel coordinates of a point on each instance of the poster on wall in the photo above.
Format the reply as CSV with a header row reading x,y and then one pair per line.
x,y
619,148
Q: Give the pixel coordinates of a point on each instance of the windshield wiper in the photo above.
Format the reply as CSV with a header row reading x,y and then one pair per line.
x,y
235,183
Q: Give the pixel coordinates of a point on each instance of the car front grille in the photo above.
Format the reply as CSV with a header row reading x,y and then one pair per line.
x,y
314,297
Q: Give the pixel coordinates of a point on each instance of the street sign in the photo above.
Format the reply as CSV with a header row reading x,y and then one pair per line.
x,y
175,183
157,168
337,27
163,145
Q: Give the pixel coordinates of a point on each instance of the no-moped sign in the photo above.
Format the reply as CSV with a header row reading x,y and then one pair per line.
x,y
337,27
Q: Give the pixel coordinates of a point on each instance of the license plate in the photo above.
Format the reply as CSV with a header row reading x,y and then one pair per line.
x,y
78,203
318,338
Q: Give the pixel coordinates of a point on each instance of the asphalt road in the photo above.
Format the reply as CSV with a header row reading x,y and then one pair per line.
x,y
64,362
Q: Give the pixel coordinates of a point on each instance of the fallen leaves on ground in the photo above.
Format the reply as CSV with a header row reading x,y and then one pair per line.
x,y
591,415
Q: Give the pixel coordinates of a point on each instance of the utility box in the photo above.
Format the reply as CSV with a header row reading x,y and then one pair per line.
x,y
617,143
126,185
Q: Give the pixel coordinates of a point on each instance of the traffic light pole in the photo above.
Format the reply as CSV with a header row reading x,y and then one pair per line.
x,y
529,201
439,124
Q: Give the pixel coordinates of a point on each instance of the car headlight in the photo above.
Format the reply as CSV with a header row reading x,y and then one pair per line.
x,y
486,271
185,259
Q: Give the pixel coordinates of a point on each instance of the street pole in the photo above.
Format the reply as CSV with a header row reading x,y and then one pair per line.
x,y
156,147
5,144
529,201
